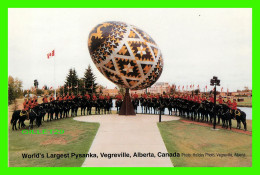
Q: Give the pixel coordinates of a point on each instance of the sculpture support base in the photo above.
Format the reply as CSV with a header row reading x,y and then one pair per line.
x,y
127,107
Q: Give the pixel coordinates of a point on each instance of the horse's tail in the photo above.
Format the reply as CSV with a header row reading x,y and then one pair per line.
x,y
12,120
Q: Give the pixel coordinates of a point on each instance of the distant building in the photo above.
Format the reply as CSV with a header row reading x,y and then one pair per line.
x,y
159,87
111,92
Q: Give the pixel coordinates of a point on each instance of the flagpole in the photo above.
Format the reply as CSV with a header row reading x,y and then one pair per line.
x,y
54,76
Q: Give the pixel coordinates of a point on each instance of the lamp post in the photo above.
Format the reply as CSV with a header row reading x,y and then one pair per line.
x,y
214,82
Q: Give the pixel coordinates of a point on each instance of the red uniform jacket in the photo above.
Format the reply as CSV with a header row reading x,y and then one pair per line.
x,y
45,100
234,105
119,97
165,96
51,98
135,96
220,101
94,97
211,99
25,106
30,103
60,98
87,96
35,103
229,103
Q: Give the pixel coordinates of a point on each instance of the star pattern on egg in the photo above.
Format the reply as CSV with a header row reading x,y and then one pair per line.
x,y
125,54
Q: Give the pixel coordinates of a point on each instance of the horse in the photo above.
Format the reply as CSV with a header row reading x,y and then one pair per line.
x,y
143,105
50,110
118,105
135,103
83,105
240,116
18,115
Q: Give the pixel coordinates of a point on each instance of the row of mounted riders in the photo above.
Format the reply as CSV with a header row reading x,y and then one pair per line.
x,y
200,111
58,109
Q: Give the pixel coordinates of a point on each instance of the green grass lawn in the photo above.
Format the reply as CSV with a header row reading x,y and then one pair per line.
x,y
77,138
246,103
234,124
190,138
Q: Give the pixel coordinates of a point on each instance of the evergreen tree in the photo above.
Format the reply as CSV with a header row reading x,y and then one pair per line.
x,y
89,79
71,81
81,86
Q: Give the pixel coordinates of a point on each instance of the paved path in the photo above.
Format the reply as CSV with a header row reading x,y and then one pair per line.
x,y
128,134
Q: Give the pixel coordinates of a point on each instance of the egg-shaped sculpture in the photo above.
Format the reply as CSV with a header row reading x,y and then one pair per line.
x,y
125,55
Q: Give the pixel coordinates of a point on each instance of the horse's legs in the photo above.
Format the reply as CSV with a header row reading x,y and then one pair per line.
x,y
245,125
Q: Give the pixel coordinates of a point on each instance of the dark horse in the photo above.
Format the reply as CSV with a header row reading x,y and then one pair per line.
x,y
118,105
18,115
240,116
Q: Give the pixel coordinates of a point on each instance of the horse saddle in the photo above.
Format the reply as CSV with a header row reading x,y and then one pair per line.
x,y
237,112
23,113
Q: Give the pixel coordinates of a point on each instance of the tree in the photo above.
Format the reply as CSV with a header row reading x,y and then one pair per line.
x,y
121,90
14,89
71,81
246,89
81,86
39,92
89,80
100,88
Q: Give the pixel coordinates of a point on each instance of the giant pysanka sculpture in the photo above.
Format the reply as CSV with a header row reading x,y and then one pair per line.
x,y
125,54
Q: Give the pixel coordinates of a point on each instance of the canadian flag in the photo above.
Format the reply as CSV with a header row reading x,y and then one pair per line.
x,y
51,54
182,87
206,87
198,86
190,86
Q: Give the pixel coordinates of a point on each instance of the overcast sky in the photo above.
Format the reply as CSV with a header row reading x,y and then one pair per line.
x,y
196,43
